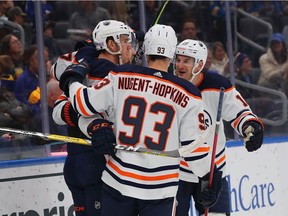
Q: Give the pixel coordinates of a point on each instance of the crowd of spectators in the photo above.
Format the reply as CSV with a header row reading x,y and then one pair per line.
x,y
204,20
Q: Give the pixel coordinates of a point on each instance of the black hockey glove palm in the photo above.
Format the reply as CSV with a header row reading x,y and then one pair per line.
x,y
103,138
73,73
208,197
253,134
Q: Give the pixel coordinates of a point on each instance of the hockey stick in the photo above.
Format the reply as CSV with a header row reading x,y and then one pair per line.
x,y
218,119
174,153
140,50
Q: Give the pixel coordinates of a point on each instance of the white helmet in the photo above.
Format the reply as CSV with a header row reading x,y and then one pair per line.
x,y
160,40
109,28
195,49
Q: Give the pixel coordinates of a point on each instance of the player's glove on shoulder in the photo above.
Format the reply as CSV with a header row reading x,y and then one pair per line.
x,y
208,197
73,73
253,134
103,138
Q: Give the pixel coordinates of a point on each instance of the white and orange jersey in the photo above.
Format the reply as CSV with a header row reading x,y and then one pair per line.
x,y
67,59
61,64
153,110
234,110
99,69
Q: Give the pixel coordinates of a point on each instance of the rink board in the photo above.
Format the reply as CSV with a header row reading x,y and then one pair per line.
x,y
258,183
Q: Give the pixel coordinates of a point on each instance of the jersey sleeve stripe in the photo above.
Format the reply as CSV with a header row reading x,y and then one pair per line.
x,y
194,158
186,171
62,97
80,104
184,163
236,122
221,152
202,149
223,158
220,167
87,101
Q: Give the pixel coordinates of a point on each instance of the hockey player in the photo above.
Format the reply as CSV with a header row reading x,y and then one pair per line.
x,y
154,110
83,167
191,57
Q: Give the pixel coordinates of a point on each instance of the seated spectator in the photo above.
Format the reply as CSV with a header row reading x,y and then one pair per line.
x,y
50,42
189,30
12,112
219,58
217,13
4,6
47,11
272,62
12,46
207,66
284,83
7,73
16,15
117,10
243,69
86,18
280,82
262,8
27,89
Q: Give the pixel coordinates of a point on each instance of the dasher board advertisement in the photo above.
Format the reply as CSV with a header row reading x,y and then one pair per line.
x,y
35,187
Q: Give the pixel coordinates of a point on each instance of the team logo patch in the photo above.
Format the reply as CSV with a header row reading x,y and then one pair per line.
x,y
106,23
158,74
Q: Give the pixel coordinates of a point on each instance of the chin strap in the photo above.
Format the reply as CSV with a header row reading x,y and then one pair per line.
x,y
116,53
193,73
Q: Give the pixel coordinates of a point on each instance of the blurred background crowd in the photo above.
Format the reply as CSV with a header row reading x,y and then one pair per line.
x,y
259,31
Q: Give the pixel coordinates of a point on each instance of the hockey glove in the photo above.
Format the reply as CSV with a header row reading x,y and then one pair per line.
x,y
73,73
253,134
103,138
69,115
208,197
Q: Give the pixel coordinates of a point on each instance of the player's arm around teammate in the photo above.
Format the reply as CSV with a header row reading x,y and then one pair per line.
x,y
84,166
145,184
